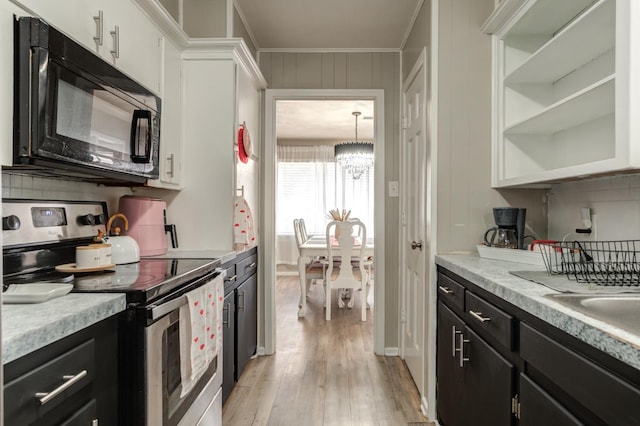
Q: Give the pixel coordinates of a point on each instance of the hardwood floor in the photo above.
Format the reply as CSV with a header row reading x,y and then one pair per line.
x,y
323,372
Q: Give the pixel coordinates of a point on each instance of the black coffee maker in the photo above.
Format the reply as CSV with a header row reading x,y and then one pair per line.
x,y
507,219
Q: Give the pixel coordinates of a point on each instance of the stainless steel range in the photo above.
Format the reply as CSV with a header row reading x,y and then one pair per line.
x,y
38,235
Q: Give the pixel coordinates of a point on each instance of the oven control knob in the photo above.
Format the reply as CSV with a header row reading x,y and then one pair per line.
x,y
10,223
99,219
87,219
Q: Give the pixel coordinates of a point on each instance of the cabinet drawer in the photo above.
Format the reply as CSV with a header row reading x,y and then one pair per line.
x,y
597,390
489,320
231,279
246,267
22,406
451,292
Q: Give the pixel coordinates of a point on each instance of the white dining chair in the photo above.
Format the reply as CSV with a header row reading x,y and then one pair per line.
x,y
344,275
315,269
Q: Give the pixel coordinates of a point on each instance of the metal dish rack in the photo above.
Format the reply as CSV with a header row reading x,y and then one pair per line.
x,y
607,263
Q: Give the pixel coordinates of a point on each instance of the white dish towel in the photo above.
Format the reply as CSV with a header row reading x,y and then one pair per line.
x,y
200,331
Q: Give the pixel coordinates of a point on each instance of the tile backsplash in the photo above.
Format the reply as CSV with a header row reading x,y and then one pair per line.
x,y
614,202
27,186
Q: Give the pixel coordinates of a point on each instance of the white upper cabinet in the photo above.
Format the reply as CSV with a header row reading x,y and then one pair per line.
x,y
129,40
565,90
171,124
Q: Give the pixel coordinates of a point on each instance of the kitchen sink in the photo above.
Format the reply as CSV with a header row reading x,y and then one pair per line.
x,y
620,310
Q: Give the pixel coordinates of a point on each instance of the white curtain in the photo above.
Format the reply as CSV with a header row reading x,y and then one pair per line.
x,y
309,184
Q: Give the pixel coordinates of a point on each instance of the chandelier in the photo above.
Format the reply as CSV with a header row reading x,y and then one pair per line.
x,y
356,157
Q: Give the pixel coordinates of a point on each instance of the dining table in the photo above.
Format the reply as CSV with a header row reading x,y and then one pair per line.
x,y
316,246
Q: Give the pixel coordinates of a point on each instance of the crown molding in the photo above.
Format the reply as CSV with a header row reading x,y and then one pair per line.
x,y
330,50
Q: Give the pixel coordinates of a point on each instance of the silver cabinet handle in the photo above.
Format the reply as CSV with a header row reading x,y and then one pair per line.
x,y
445,290
98,38
241,305
170,159
94,422
462,341
115,35
226,321
416,245
70,380
454,332
232,278
253,265
478,316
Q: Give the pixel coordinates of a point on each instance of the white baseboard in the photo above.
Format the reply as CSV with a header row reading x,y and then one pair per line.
x,y
391,352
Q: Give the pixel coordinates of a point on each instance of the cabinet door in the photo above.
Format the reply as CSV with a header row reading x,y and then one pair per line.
x,y
138,45
538,407
84,416
450,387
488,381
75,18
171,120
247,322
228,345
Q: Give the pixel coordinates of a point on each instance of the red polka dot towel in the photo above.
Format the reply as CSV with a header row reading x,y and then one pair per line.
x,y
243,234
200,331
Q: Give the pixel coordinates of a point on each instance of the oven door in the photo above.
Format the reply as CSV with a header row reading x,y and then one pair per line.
x,y
164,405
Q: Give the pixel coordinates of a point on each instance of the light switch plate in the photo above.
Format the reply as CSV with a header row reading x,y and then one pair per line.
x,y
393,188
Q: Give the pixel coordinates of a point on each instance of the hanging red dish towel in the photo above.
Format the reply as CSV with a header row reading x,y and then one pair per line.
x,y
200,331
243,233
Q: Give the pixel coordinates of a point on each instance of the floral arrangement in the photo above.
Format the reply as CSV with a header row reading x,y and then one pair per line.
x,y
335,214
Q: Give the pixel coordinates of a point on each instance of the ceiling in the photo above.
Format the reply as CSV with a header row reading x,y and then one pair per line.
x,y
323,121
327,25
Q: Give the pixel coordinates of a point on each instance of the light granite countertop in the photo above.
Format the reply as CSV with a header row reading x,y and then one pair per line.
x,y
28,327
494,276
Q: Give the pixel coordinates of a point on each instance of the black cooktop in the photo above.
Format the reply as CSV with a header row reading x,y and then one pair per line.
x,y
142,281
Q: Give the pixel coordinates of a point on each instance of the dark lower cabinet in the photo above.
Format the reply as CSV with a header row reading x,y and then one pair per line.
x,y
246,321
449,373
72,382
498,365
228,344
475,383
537,407
240,332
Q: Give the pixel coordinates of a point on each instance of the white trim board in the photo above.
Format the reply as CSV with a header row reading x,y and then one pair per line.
x,y
268,228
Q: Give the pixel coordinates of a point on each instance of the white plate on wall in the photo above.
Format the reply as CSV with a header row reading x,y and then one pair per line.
x,y
34,292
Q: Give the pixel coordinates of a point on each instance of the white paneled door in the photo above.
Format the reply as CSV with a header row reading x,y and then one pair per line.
x,y
413,244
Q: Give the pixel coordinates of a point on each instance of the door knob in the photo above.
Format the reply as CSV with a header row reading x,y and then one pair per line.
x,y
416,245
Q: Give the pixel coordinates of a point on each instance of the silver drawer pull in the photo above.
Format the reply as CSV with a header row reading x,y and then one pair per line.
x,y
232,278
445,290
45,397
478,316
253,265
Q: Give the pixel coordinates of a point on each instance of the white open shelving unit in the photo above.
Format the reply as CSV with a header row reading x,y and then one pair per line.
x,y
564,89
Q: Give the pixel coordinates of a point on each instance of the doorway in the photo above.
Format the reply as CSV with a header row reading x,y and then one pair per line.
x,y
272,97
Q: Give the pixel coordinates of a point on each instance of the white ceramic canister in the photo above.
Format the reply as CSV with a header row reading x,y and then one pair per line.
x,y
88,257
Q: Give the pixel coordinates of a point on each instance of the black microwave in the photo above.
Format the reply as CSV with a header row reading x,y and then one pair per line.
x,y
77,116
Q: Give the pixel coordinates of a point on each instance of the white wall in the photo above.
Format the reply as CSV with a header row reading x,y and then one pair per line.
x,y
614,200
25,186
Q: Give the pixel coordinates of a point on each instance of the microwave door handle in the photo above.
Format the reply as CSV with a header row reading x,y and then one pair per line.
x,y
138,116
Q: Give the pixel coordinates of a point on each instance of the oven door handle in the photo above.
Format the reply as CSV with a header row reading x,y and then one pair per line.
x,y
155,311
